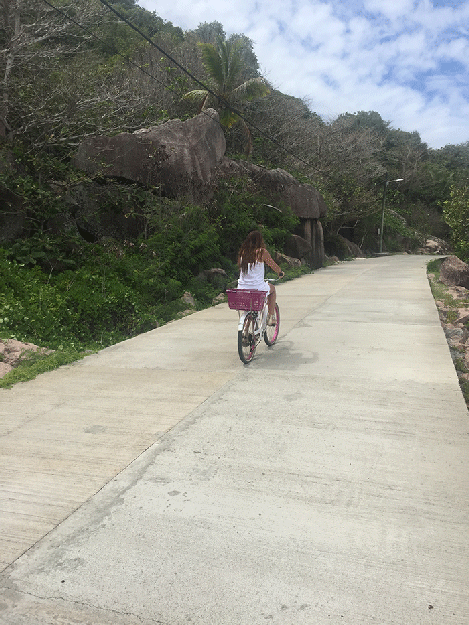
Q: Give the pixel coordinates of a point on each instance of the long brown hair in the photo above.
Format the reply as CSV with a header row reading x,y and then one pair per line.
x,y
251,250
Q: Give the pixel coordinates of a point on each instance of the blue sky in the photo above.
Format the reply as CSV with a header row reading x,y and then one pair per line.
x,y
408,60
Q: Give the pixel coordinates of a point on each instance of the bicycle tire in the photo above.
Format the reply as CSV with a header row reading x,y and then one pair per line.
x,y
271,332
247,339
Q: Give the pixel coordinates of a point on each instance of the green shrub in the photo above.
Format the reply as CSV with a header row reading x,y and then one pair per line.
x,y
65,294
335,245
434,266
456,215
237,209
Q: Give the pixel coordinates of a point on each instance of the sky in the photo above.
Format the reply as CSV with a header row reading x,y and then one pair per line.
x,y
408,60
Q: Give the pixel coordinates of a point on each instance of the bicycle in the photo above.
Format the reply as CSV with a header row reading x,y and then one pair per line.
x,y
252,325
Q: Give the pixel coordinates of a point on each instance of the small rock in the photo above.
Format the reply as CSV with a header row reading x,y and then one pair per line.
x,y
289,260
219,299
216,276
188,299
435,246
4,369
463,316
454,272
455,332
185,313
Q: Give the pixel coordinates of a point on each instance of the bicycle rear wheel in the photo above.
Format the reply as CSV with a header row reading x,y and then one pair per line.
x,y
247,339
271,332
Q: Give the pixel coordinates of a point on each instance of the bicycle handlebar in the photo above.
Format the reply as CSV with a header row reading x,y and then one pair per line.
x,y
272,280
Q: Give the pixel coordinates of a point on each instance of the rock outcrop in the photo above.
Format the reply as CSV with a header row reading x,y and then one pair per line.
x,y
454,272
435,246
304,200
187,159
353,249
180,157
216,276
12,352
298,247
288,260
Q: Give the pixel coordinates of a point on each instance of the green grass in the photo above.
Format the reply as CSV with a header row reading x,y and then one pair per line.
x,y
460,365
291,273
33,364
434,265
464,384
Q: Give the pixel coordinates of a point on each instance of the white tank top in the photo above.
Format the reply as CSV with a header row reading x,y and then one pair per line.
x,y
253,278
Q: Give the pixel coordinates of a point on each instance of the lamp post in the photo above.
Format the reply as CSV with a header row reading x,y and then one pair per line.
x,y
386,182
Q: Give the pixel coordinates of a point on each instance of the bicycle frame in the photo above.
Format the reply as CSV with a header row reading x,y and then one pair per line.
x,y
253,308
261,317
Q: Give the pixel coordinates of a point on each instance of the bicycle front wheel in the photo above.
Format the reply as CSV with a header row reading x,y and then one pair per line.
x,y
271,332
247,339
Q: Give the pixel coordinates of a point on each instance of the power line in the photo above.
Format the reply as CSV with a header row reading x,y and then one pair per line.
x,y
160,49
126,58
181,67
143,70
85,28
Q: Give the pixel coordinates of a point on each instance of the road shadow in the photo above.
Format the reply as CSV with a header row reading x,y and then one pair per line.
x,y
282,357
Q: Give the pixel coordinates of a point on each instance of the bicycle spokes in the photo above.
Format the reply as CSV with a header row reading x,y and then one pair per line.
x,y
247,339
271,331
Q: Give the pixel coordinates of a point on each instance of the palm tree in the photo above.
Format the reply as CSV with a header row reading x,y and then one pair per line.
x,y
228,92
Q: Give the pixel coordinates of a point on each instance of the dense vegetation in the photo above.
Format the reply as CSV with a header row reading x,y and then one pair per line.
x,y
81,70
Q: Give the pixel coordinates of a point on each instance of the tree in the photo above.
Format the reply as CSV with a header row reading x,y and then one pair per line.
x,y
249,62
367,119
455,157
73,72
209,32
456,214
228,92
291,123
34,39
25,28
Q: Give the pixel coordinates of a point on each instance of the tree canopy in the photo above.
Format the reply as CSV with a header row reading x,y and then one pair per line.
x,y
227,65
80,70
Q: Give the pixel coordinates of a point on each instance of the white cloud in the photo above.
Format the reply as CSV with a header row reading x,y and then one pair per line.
x,y
392,9
401,58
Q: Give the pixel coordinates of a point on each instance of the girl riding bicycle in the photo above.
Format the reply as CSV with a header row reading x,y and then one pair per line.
x,y
251,258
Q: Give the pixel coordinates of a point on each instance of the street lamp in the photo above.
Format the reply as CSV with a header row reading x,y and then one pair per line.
x,y
382,211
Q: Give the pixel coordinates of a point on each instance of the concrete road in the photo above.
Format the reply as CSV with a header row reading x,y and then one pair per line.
x,y
163,482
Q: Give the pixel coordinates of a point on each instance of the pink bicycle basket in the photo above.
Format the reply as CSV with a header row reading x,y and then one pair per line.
x,y
246,299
